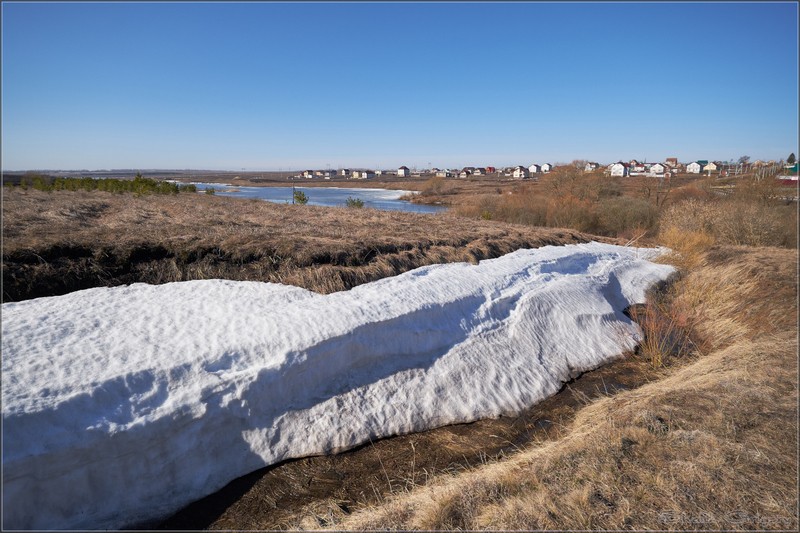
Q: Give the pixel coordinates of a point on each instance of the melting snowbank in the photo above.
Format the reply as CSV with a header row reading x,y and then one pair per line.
x,y
124,404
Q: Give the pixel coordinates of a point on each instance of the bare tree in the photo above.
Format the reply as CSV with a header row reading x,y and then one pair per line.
x,y
654,190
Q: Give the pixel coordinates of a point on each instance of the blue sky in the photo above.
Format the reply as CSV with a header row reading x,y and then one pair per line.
x,y
267,86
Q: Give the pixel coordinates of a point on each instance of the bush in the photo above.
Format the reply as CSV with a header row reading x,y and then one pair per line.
x,y
137,185
434,187
572,212
356,203
568,182
734,221
623,216
698,191
211,191
666,330
300,197
689,244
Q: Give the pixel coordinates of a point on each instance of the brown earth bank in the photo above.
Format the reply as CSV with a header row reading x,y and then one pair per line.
x,y
62,241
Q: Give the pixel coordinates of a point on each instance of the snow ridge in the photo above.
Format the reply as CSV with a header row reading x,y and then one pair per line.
x,y
124,404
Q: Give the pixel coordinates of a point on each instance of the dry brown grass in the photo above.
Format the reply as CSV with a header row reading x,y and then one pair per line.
x,y
713,445
688,246
569,197
61,241
745,219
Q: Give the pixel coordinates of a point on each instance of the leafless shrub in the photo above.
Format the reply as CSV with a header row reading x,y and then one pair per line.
x,y
734,222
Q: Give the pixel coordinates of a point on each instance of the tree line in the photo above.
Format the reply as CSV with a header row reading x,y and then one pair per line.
x,y
138,185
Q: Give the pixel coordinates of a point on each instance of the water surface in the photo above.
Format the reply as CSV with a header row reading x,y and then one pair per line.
x,y
383,199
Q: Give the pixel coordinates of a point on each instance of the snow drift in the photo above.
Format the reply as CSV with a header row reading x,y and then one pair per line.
x,y
124,404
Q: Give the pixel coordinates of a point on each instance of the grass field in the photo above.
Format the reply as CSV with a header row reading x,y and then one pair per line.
x,y
61,241
698,430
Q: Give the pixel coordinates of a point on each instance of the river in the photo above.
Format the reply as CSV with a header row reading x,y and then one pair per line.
x,y
384,199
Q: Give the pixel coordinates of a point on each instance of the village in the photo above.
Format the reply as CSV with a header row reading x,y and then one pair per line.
x,y
670,167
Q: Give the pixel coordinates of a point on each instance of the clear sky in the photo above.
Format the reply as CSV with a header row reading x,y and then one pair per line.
x,y
267,86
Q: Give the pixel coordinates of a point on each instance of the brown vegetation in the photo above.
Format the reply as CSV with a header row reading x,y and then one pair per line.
x,y
698,430
733,221
752,213
569,197
62,241
712,445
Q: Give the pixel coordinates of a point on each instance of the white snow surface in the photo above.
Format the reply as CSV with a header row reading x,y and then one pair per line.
x,y
122,405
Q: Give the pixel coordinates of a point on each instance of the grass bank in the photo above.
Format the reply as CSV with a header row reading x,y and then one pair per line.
x,y
711,445
61,241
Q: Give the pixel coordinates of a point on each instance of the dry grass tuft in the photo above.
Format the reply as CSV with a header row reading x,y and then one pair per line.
x,y
688,246
667,329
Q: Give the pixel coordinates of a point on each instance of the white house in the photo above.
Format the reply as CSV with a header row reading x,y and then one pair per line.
x,y
345,172
480,171
521,172
328,174
444,174
657,169
308,173
533,169
694,167
619,169
711,167
464,174
403,172
367,174
591,167
547,167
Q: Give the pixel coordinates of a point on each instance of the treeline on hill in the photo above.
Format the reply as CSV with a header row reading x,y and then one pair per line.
x,y
746,212
138,185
